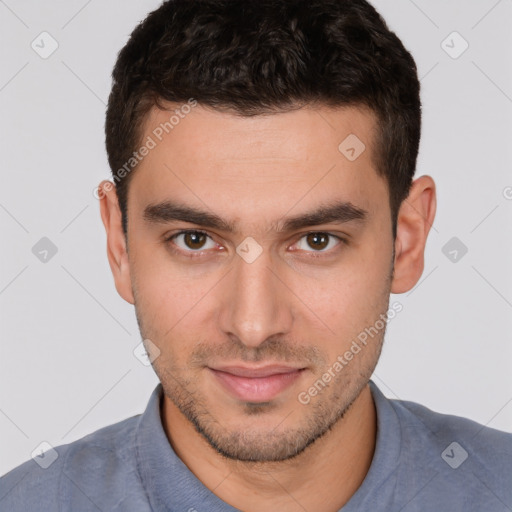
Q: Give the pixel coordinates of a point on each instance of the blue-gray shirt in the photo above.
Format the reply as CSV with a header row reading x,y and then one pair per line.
x,y
423,461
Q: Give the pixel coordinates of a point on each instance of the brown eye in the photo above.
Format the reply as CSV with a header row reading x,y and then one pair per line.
x,y
319,242
192,241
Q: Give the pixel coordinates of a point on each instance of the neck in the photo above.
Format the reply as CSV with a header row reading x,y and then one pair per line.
x,y
323,477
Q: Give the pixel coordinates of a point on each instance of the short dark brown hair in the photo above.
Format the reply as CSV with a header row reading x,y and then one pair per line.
x,y
262,56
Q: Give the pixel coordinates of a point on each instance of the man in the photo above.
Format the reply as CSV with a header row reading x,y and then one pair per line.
x,y
264,209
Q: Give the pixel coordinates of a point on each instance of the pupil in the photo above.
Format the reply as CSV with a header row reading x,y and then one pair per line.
x,y
194,240
318,240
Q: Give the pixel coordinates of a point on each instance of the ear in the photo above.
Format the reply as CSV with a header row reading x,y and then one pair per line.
x,y
116,242
415,219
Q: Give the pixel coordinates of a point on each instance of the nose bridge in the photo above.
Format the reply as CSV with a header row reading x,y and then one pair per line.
x,y
255,306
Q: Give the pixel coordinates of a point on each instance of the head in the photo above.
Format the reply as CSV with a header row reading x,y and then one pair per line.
x,y
283,135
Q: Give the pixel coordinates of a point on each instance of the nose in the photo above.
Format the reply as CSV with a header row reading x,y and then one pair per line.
x,y
256,303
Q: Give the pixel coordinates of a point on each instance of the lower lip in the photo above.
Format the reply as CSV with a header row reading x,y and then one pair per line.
x,y
256,389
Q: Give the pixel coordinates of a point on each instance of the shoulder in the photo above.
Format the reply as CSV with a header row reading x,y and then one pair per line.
x,y
446,427
465,458
100,460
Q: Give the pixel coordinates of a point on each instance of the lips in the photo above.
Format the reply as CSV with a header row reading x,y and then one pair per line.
x,y
255,384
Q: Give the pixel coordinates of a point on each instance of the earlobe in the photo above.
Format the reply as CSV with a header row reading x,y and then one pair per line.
x,y
415,219
116,242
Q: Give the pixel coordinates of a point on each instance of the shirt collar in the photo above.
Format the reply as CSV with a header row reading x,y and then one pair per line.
x,y
386,455
168,482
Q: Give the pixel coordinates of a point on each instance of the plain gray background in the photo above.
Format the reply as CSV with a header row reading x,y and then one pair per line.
x,y
67,365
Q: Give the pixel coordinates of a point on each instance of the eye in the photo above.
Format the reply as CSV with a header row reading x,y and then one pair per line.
x,y
192,241
196,241
318,241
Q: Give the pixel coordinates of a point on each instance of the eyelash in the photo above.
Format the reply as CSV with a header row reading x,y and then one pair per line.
x,y
195,254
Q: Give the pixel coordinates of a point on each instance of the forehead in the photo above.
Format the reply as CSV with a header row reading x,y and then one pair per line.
x,y
229,134
225,160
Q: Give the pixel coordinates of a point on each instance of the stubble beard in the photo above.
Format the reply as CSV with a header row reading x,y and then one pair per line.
x,y
275,444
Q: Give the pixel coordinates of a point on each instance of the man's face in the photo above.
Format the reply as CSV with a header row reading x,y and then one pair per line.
x,y
243,333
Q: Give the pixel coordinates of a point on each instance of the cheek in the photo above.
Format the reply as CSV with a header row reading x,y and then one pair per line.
x,y
166,298
347,303
350,296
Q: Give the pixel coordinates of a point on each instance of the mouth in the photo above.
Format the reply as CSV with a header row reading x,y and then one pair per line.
x,y
256,384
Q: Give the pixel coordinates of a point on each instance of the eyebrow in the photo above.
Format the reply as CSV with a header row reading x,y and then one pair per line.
x,y
338,212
